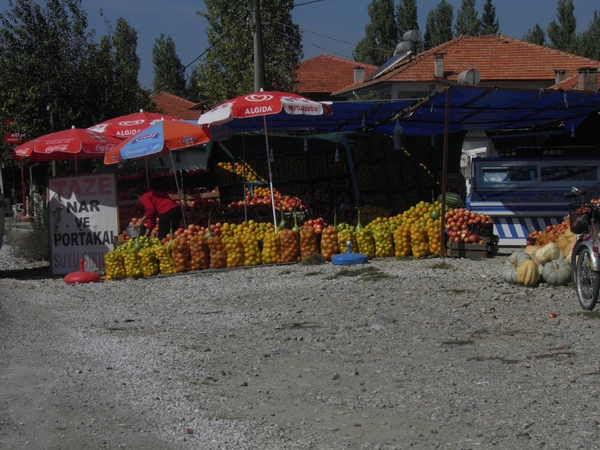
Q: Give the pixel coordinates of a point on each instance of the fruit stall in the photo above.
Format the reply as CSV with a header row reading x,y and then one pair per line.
x,y
328,190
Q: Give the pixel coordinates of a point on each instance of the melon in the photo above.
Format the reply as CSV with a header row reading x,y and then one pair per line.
x,y
453,200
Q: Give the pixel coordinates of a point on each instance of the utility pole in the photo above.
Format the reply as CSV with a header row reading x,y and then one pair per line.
x,y
259,65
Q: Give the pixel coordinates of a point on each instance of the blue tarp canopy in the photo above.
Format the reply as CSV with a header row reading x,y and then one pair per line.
x,y
470,108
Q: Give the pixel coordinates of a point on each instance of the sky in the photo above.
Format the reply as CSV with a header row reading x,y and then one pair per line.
x,y
329,26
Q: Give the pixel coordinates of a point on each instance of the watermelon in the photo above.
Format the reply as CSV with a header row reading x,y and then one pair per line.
x,y
453,200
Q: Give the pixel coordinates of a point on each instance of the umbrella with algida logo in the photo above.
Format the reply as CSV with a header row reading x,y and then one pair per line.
x,y
264,103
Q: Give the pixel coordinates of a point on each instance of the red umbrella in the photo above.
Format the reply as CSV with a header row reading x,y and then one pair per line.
x,y
70,144
264,103
130,124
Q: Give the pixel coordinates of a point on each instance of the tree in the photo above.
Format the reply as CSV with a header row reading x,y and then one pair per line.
x,y
407,16
535,35
381,34
114,82
563,34
467,23
227,69
589,40
50,51
53,75
438,28
193,86
131,97
489,22
169,73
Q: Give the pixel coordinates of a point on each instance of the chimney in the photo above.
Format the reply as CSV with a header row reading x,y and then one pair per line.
x,y
560,75
439,66
587,79
359,74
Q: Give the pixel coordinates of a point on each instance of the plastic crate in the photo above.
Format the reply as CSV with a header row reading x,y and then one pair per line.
x,y
579,217
482,229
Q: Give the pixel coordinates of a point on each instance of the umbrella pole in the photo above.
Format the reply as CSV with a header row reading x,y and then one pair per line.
x,y
23,188
147,175
270,174
178,190
245,165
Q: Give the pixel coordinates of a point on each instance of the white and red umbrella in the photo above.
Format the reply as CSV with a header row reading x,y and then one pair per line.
x,y
70,144
130,124
264,103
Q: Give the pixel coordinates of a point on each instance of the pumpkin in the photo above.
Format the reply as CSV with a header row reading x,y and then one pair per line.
x,y
563,242
557,272
518,257
528,273
547,253
569,252
509,271
531,250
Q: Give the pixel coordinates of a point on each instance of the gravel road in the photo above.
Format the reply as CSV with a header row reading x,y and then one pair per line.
x,y
390,355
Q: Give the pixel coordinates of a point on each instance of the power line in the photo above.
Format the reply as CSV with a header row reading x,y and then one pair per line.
x,y
316,45
243,18
327,37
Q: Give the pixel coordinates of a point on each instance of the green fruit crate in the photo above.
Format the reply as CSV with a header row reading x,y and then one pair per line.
x,y
488,249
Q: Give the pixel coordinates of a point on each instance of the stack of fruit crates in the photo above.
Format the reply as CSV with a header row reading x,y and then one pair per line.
x,y
488,249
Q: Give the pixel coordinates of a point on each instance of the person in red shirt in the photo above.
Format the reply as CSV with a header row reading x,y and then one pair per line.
x,y
157,205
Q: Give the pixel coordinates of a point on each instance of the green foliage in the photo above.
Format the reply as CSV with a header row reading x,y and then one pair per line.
x,y
381,34
227,69
193,86
563,35
129,96
53,75
467,23
489,22
589,40
407,16
50,50
535,35
169,73
438,28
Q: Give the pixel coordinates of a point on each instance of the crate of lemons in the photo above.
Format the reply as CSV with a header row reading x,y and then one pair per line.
x,y
415,232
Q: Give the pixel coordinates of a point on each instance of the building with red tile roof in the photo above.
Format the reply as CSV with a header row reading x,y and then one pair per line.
x,y
587,79
501,61
178,107
318,77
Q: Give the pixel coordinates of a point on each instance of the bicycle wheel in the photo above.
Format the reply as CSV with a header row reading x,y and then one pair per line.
x,y
586,280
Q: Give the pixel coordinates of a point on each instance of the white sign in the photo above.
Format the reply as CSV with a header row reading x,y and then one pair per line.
x,y
83,218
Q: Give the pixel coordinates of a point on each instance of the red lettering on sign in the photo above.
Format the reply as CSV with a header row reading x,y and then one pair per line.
x,y
104,186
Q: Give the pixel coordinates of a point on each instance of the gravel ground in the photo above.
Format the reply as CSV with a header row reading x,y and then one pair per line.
x,y
390,355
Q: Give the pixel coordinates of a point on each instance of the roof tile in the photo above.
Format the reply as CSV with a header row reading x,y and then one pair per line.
x,y
497,58
177,107
324,74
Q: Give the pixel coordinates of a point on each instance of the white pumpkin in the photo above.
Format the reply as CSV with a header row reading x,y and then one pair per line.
x,y
547,253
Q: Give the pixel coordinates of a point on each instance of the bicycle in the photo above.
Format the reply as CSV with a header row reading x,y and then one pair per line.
x,y
585,259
